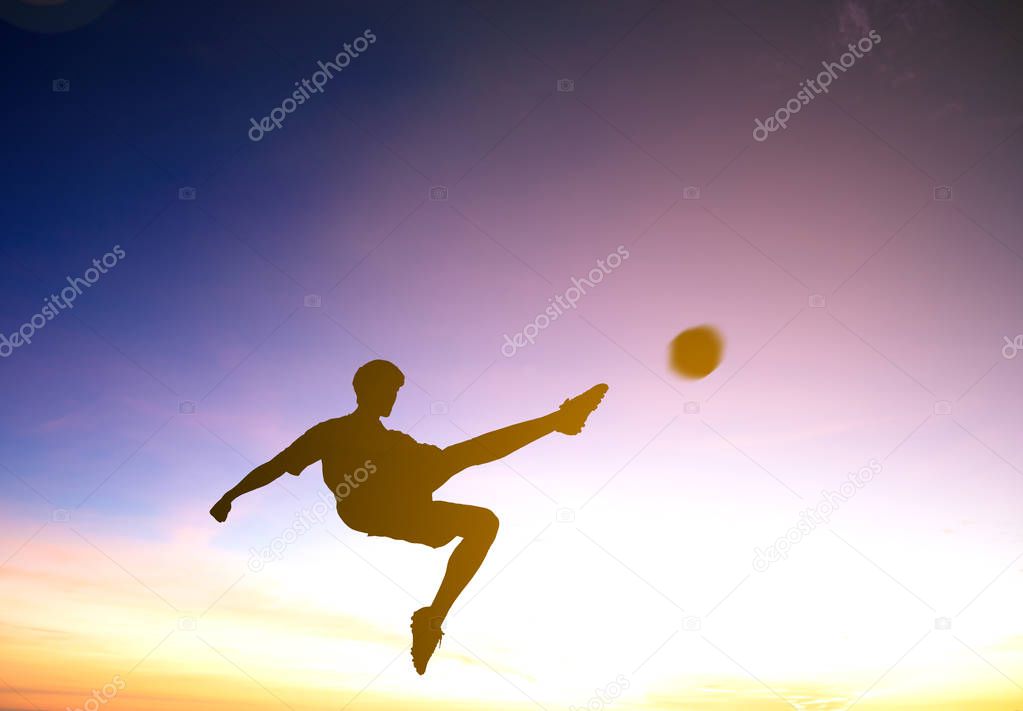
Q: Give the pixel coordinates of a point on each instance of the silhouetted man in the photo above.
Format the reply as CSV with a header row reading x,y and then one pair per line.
x,y
394,496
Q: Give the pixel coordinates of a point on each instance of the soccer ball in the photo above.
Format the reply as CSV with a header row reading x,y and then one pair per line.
x,y
696,352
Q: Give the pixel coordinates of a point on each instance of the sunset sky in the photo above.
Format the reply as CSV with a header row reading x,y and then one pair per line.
x,y
864,264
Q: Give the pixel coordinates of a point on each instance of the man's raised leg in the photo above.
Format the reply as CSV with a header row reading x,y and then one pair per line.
x,y
500,443
489,447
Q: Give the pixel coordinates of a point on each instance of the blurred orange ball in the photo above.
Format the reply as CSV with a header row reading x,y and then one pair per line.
x,y
696,352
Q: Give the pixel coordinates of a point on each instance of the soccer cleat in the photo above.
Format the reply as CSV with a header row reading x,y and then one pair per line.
x,y
220,510
574,411
426,635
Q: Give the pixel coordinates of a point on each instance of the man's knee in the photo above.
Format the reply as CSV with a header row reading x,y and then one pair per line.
x,y
491,522
485,524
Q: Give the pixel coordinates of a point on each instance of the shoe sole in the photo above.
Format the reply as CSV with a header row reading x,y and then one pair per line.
x,y
588,401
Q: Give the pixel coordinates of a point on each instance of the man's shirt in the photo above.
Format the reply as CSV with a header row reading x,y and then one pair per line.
x,y
363,460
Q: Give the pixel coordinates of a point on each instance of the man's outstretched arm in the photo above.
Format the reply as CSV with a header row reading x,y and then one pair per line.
x,y
301,453
257,478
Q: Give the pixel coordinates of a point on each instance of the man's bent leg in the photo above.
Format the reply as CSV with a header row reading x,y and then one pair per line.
x,y
478,528
441,520
435,524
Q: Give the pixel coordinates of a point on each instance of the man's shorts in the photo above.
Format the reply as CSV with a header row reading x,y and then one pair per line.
x,y
415,520
403,508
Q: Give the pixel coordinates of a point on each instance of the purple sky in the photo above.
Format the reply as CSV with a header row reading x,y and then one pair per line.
x,y
865,322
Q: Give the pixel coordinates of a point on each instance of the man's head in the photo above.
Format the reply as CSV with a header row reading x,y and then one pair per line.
x,y
376,387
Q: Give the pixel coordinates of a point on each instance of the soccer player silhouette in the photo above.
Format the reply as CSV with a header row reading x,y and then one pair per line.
x,y
394,496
